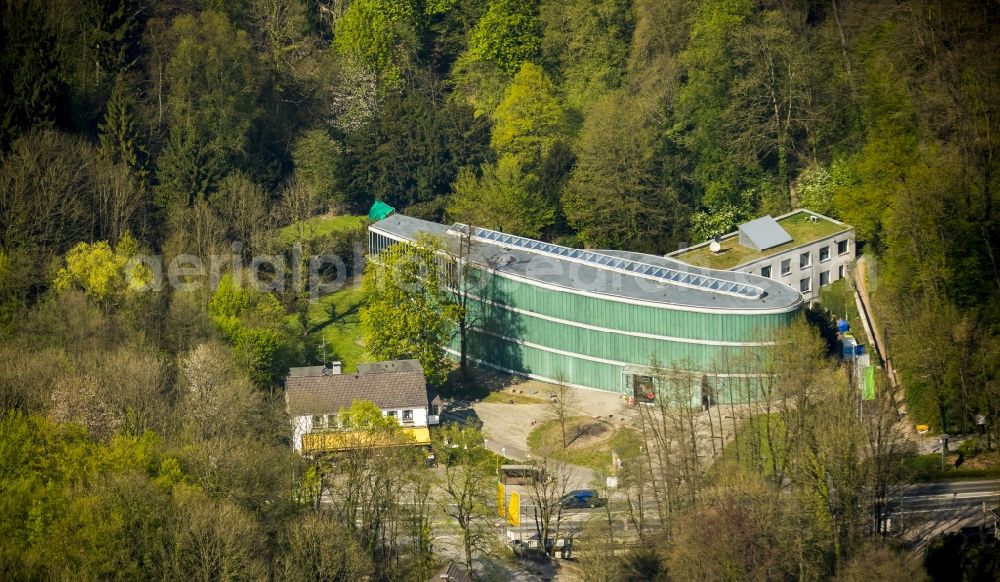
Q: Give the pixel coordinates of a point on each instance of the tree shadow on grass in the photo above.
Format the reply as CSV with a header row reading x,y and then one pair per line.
x,y
350,315
587,429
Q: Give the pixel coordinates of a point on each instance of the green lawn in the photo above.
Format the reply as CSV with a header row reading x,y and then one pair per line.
x,y
319,226
925,468
546,441
732,254
335,318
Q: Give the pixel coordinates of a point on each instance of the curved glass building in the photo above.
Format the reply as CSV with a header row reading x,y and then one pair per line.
x,y
606,320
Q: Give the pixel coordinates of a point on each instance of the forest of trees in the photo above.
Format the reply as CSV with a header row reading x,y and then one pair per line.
x,y
140,429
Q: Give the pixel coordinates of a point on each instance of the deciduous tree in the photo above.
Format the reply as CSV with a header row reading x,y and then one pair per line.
x,y
217,398
530,118
547,494
616,196
318,546
214,540
315,156
503,198
506,35
380,35
254,322
408,313
46,181
588,44
243,207
466,486
211,106
107,275
562,404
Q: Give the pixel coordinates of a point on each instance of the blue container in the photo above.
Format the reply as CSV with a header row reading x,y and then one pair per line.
x,y
843,326
848,347
859,350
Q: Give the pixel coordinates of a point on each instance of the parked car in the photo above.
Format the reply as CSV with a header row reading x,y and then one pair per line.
x,y
582,498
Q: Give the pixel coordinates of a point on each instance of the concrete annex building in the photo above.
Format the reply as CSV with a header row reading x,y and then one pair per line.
x,y
597,319
802,249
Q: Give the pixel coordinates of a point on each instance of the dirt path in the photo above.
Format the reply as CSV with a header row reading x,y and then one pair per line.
x,y
923,444
874,331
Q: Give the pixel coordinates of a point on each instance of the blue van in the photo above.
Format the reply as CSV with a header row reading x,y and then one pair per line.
x,y
581,498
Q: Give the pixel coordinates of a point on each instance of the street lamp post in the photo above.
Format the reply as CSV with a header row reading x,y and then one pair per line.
x,y
943,439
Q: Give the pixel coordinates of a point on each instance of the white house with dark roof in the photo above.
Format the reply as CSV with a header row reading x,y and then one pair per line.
x,y
314,398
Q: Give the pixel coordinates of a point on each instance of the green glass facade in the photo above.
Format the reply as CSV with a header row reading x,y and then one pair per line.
x,y
590,341
609,340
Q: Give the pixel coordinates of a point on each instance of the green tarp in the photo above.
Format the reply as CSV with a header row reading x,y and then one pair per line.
x,y
379,211
868,390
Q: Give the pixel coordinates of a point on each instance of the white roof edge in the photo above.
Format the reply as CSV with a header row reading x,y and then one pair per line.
x,y
736,232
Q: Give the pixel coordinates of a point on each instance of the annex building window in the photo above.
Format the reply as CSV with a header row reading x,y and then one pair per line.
x,y
766,271
805,284
805,259
842,247
786,267
407,416
824,254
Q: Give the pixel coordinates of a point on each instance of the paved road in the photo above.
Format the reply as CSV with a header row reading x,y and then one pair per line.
x,y
928,510
922,512
572,524
922,496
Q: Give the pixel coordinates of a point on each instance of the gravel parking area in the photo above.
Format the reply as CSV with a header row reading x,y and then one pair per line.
x,y
506,426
